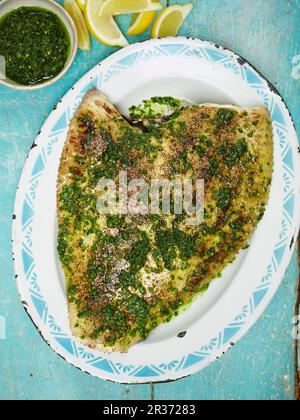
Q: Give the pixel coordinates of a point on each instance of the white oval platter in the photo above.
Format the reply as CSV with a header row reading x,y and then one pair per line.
x,y
200,72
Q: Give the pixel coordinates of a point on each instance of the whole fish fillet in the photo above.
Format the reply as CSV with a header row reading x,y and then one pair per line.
x,y
126,274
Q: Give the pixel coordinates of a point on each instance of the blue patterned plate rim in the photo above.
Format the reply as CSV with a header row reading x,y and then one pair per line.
x,y
114,367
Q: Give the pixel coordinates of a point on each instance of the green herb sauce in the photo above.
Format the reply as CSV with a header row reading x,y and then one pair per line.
x,y
224,117
35,44
154,108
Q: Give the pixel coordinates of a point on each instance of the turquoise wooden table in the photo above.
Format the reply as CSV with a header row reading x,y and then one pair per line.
x,y
261,365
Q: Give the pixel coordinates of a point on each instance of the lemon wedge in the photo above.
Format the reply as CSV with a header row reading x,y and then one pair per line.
x,y
81,4
170,20
121,7
103,28
140,22
84,40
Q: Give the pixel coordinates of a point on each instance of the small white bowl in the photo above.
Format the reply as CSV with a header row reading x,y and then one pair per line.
x,y
7,6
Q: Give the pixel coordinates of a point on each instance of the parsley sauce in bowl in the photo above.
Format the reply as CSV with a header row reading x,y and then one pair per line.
x,y
38,43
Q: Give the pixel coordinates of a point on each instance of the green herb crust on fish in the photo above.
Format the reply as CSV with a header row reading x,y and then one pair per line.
x,y
128,274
